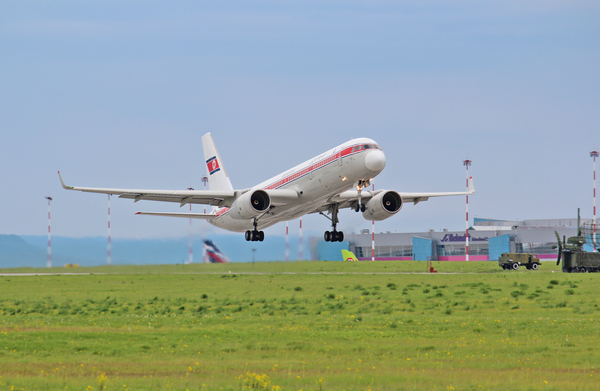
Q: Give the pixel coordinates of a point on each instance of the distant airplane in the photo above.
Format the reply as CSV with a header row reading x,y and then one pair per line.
x,y
349,256
212,254
331,181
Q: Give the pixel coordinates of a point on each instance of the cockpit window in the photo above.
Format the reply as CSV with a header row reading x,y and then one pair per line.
x,y
365,146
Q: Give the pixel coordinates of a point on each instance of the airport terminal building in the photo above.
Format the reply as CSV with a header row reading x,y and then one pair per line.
x,y
488,239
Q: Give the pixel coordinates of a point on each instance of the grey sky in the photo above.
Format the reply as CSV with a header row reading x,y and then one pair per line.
x,y
119,94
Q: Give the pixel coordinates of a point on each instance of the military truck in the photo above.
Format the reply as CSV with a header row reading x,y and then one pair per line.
x,y
575,258
512,261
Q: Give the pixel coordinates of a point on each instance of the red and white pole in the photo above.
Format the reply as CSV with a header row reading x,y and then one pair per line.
x,y
594,154
373,235
190,238
109,245
287,242
467,163
301,243
49,257
205,181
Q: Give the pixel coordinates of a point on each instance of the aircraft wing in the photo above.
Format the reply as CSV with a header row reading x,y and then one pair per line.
x,y
183,197
415,198
349,198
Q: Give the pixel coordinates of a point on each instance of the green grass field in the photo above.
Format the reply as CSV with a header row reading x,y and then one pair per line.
x,y
300,326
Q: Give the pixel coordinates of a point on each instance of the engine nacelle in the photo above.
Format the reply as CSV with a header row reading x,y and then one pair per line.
x,y
383,205
250,204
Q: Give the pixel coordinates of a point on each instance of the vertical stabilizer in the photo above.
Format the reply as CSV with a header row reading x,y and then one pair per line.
x,y
215,171
349,256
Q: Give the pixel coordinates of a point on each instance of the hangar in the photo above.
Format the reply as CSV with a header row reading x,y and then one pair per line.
x,y
488,238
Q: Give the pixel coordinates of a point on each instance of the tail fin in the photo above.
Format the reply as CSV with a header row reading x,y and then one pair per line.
x,y
349,256
215,171
212,254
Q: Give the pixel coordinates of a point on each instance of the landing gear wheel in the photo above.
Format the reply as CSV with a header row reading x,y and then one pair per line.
x,y
248,236
356,207
535,266
334,235
515,266
363,207
261,236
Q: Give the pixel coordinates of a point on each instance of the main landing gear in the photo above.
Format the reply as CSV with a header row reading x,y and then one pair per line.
x,y
255,235
335,235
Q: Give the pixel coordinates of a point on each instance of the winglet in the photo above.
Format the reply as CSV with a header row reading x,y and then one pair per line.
x,y
63,183
471,186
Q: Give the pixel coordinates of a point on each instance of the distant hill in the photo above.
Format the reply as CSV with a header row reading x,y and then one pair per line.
x,y
17,251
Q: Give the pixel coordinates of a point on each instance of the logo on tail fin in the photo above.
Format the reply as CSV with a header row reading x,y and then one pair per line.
x,y
213,165
349,256
212,254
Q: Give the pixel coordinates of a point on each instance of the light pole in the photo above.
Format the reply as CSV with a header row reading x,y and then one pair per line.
x,y
190,239
287,241
253,255
301,243
49,258
467,163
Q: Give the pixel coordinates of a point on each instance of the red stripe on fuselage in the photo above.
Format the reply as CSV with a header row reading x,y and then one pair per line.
x,y
313,167
348,151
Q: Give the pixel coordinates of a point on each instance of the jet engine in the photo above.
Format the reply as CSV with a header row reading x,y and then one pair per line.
x,y
383,205
250,204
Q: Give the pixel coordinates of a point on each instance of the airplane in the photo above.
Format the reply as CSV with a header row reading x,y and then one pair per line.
x,y
336,179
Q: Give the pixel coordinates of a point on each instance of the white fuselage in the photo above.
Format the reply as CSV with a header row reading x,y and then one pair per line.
x,y
316,181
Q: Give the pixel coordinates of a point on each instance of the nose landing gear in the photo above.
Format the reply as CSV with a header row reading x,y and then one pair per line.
x,y
359,206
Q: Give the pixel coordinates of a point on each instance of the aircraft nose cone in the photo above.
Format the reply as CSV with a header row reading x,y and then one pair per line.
x,y
375,161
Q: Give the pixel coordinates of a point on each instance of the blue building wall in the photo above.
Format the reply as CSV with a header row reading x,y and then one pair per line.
x,y
332,251
498,245
422,249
